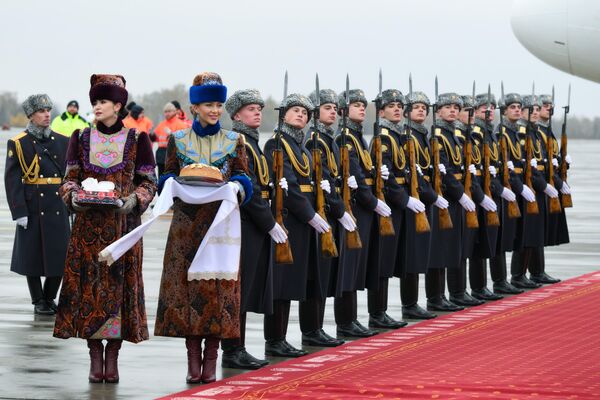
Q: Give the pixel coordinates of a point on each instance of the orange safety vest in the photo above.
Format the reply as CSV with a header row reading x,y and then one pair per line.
x,y
165,128
143,124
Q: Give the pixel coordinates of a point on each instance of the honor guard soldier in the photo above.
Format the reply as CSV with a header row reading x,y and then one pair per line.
x,y
321,140
300,279
364,205
414,252
448,254
391,104
35,166
258,228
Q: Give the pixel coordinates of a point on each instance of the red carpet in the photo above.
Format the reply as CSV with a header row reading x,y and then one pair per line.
x,y
544,344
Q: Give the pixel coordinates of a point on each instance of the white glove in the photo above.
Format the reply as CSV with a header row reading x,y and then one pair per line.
x,y
22,222
283,184
508,195
441,203
533,163
320,225
383,209
568,159
278,234
235,186
415,205
352,182
472,169
551,191
385,173
326,186
555,162
347,222
488,204
510,165
528,194
565,189
466,203
493,170
442,169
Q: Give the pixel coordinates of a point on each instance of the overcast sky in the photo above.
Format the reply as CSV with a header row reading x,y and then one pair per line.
x,y
54,46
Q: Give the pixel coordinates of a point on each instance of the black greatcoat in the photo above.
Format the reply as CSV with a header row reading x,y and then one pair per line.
x,y
414,248
557,231
508,226
334,208
256,272
364,202
447,244
39,250
294,281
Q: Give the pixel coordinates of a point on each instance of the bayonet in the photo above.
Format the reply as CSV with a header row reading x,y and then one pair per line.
x,y
436,91
380,83
318,102
473,95
285,85
410,84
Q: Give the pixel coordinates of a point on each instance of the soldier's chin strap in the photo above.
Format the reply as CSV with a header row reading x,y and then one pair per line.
x,y
31,171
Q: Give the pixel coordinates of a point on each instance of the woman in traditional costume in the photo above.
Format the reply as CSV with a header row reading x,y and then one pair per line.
x,y
206,308
97,301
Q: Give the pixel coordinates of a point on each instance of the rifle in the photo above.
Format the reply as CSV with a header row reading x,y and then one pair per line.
x,y
445,221
328,247
553,202
352,238
283,252
532,206
472,221
565,199
513,206
386,226
491,217
421,222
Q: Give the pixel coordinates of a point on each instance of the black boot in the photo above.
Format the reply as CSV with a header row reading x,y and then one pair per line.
x,y
382,320
504,287
415,311
51,286
40,306
239,358
465,299
319,338
281,348
485,294
522,282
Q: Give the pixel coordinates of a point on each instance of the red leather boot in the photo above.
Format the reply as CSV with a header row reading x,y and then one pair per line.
x,y
194,356
111,368
209,364
96,360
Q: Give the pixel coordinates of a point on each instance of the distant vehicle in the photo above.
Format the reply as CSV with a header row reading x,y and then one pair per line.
x,y
563,33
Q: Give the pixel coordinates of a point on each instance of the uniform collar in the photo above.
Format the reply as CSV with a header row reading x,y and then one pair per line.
x,y
37,131
294,133
323,129
237,126
354,126
384,123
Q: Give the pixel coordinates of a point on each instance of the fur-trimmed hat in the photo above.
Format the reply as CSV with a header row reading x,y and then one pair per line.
x,y
108,87
546,99
326,96
468,101
445,99
482,99
297,99
207,87
417,97
242,98
36,102
391,96
509,99
530,100
354,95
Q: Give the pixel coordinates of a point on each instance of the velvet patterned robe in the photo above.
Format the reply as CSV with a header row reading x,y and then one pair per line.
x,y
98,301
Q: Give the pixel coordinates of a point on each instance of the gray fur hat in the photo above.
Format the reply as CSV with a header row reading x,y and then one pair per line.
x,y
417,97
391,96
354,95
297,99
482,99
531,100
36,102
445,99
325,96
509,99
242,98
546,99
468,101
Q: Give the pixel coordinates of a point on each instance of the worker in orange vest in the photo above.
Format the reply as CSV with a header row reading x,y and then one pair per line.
x,y
136,119
172,123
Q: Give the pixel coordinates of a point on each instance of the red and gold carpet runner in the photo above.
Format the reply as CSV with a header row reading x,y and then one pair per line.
x,y
543,344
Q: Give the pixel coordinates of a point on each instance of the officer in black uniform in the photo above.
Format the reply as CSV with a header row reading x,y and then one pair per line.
x,y
365,205
414,255
300,280
35,166
258,228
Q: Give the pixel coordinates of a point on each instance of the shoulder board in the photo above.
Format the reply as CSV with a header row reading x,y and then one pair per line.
x,y
385,131
438,132
477,129
19,136
458,133
522,129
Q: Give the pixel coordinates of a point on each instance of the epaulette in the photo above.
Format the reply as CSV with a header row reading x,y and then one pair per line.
x,y
522,129
438,132
477,129
18,136
458,133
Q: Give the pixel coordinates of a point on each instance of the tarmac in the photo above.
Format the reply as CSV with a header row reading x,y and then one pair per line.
x,y
34,365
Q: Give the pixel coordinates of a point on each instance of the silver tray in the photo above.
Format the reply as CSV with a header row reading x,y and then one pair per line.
x,y
197,181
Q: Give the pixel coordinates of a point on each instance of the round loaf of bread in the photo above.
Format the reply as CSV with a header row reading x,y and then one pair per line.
x,y
202,172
